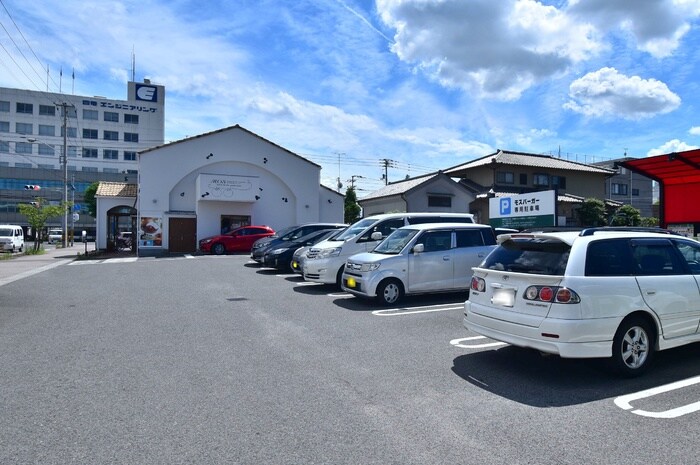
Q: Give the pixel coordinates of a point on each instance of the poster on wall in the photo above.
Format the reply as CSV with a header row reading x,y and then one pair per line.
x,y
150,233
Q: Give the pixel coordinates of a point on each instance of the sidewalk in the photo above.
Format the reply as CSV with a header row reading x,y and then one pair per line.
x,y
22,266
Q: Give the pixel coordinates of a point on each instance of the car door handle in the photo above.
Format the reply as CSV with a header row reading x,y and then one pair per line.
x,y
446,258
651,292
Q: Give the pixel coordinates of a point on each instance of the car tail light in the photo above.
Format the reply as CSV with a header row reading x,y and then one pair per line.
x,y
559,295
478,284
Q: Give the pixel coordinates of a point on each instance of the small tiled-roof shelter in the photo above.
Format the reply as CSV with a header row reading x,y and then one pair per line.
x,y
116,212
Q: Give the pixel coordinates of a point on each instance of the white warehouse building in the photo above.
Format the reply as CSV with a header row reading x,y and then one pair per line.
x,y
211,183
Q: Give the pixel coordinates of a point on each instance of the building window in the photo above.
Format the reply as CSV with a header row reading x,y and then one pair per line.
x,y
46,167
47,149
23,147
129,156
89,133
110,170
47,110
72,132
111,135
619,189
71,112
505,177
539,179
109,154
24,128
523,179
439,201
26,108
90,114
92,169
131,119
72,151
4,106
47,130
131,137
111,116
635,192
559,182
4,147
89,153
4,126
23,165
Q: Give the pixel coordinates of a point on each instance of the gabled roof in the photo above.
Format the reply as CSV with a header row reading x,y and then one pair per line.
x,y
235,126
524,159
403,187
116,189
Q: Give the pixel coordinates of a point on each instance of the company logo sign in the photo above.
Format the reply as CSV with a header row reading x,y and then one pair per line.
x,y
146,93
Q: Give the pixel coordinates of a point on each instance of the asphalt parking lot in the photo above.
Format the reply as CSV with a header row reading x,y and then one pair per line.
x,y
215,360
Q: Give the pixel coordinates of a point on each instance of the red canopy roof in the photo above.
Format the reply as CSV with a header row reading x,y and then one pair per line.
x,y
678,175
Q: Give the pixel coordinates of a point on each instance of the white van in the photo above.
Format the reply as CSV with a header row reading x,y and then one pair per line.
x,y
325,261
11,237
418,259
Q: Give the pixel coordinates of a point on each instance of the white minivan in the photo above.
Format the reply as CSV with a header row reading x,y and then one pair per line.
x,y
416,259
325,261
11,237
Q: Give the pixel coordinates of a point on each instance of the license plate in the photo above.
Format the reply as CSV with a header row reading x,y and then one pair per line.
x,y
504,297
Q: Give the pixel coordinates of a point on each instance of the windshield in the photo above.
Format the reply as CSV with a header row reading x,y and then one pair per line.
x,y
5,232
395,242
354,230
283,232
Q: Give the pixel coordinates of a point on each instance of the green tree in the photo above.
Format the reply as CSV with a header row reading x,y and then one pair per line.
x,y
38,213
352,209
626,215
89,198
591,213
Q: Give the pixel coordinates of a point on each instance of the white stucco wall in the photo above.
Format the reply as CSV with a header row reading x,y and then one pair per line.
x,y
168,182
418,199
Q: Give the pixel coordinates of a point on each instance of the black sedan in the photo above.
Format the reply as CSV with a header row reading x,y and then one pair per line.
x,y
280,257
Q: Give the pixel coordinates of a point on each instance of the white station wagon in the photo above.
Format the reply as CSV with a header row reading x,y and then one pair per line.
x,y
602,292
422,258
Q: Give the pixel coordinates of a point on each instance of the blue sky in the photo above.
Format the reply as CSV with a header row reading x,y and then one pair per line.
x,y
427,84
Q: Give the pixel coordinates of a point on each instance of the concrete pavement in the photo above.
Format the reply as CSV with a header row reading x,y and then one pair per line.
x,y
21,266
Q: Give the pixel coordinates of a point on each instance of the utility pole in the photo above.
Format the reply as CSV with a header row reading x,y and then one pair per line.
x,y
386,163
64,161
352,180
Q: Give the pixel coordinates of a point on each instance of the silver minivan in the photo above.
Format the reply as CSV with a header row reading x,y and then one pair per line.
x,y
421,258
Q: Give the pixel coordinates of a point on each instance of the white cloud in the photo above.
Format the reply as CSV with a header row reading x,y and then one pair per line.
x,y
525,139
606,92
674,145
497,49
695,131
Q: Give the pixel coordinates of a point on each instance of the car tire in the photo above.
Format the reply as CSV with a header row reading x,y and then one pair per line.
x,y
218,249
339,277
633,347
389,292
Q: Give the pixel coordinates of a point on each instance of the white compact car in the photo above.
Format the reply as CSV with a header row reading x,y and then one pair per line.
x,y
422,258
11,238
602,292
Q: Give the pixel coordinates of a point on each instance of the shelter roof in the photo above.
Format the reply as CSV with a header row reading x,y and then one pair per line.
x,y
116,189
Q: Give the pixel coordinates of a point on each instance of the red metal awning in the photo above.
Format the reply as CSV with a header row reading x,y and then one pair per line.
x,y
678,175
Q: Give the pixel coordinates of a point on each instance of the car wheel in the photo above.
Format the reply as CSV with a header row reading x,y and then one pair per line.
x,y
218,249
339,277
633,347
389,291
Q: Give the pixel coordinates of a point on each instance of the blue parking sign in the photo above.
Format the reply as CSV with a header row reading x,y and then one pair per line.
x,y
505,206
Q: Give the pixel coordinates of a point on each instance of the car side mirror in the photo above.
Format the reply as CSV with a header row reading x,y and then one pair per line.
x,y
376,236
418,248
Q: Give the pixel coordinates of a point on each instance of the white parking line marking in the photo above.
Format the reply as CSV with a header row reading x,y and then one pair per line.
x,y
411,311
457,343
121,260
340,294
307,283
624,401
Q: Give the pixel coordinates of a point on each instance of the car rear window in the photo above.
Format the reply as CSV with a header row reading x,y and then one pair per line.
x,y
538,255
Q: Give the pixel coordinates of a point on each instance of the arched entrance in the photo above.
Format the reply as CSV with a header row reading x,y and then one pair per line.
x,y
121,229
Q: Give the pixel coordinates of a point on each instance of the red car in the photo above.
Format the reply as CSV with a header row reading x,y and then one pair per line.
x,y
239,240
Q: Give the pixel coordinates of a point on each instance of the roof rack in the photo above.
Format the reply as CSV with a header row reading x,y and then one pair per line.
x,y
592,231
551,229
